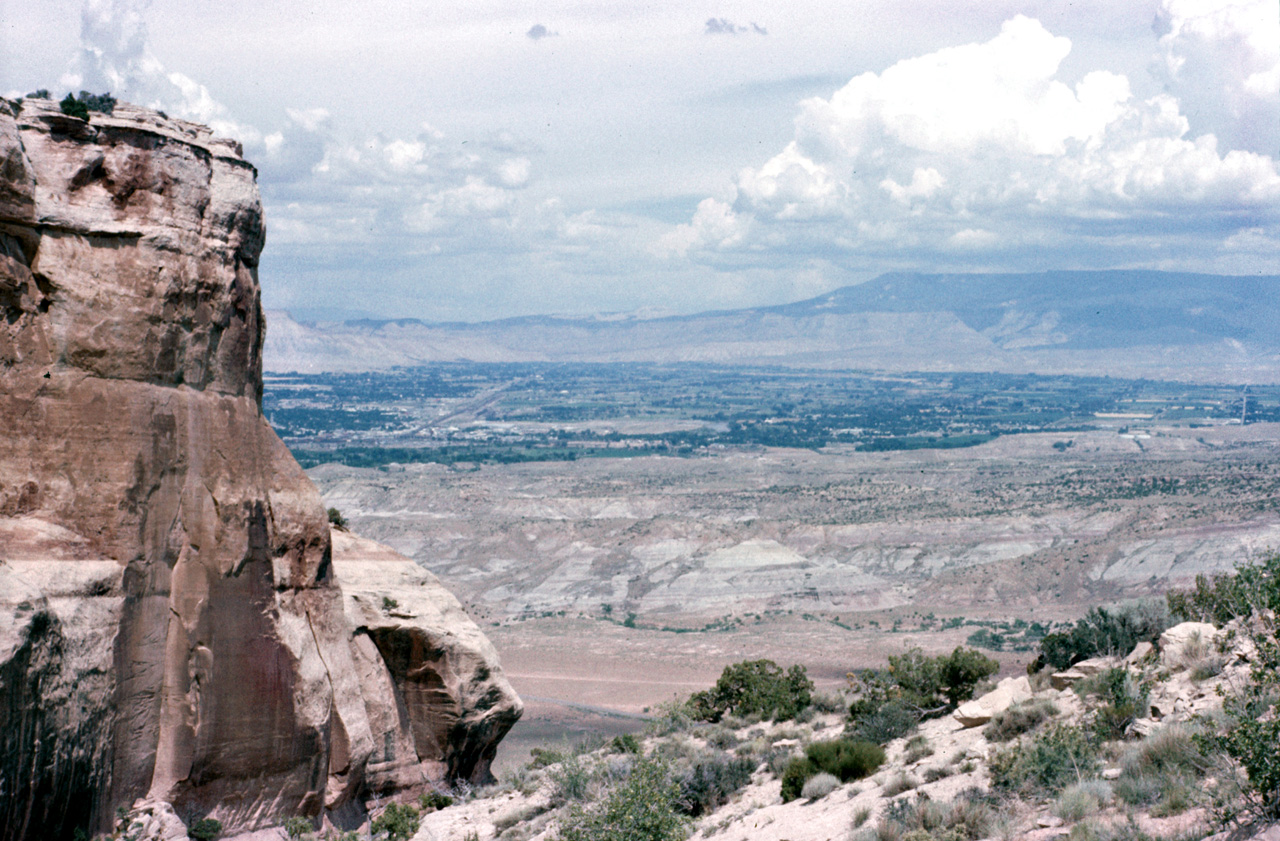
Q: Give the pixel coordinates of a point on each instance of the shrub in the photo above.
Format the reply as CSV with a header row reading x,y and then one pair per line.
x,y
1019,718
542,757
1048,762
1220,598
73,107
433,800
1168,750
967,818
571,779
721,737
883,722
1103,631
1124,700
205,829
915,687
296,827
103,103
847,760
828,702
917,748
643,808
625,743
671,717
1080,800
798,772
711,782
937,772
754,687
42,93
399,822
1251,725
337,520
819,786
900,783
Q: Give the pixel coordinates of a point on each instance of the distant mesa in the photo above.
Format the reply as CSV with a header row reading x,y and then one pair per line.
x,y
1124,323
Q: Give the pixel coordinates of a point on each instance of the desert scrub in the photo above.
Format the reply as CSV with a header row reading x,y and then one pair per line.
x,y
642,808
844,759
572,779
901,782
917,748
205,829
1124,699
711,781
1018,718
829,702
1047,762
890,702
1080,800
433,800
754,688
721,737
1209,666
968,818
543,757
397,822
1251,727
1170,749
819,786
670,717
625,743
1102,631
1163,771
938,772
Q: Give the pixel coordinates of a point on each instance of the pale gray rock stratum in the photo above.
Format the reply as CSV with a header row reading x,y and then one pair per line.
x,y
173,630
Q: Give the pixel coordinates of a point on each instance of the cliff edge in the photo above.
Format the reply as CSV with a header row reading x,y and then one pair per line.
x,y
174,627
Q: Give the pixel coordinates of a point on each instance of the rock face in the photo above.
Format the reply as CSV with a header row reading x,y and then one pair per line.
x,y
172,625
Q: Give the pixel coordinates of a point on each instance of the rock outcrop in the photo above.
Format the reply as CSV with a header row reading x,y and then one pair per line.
x,y
173,627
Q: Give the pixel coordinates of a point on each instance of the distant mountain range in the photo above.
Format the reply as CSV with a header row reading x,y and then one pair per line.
x,y
1119,323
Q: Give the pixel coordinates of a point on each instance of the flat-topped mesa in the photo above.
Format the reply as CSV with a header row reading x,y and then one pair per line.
x,y
172,629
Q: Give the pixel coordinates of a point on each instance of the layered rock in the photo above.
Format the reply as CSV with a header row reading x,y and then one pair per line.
x,y
173,627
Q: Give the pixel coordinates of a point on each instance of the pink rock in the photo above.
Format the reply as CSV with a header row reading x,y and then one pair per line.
x,y
172,628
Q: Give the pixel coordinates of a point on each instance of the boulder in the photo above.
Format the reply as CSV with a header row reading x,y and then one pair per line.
x,y
1140,653
1097,665
1185,643
979,711
172,627
1067,679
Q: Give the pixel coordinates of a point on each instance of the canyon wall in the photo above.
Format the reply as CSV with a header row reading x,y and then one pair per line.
x,y
173,625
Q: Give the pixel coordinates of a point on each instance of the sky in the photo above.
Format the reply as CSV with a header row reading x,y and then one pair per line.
x,y
457,161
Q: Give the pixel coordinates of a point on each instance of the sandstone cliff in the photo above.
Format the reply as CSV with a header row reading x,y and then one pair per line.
x,y
173,626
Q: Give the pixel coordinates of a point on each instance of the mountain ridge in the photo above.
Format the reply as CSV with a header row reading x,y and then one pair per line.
x,y
1177,325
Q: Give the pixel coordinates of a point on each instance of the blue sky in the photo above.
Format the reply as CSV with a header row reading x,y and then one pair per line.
x,y
466,161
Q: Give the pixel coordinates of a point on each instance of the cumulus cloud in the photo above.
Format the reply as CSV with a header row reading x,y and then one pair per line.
x,y
538,31
1221,58
724,26
983,149
115,56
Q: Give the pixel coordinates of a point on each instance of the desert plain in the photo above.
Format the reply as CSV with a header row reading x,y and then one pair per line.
x,y
610,585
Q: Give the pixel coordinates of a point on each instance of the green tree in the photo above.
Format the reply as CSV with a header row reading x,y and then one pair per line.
x,y
755,687
73,107
398,822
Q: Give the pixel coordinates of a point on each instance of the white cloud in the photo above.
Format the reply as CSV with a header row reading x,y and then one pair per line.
x,y
1249,29
984,147
714,225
